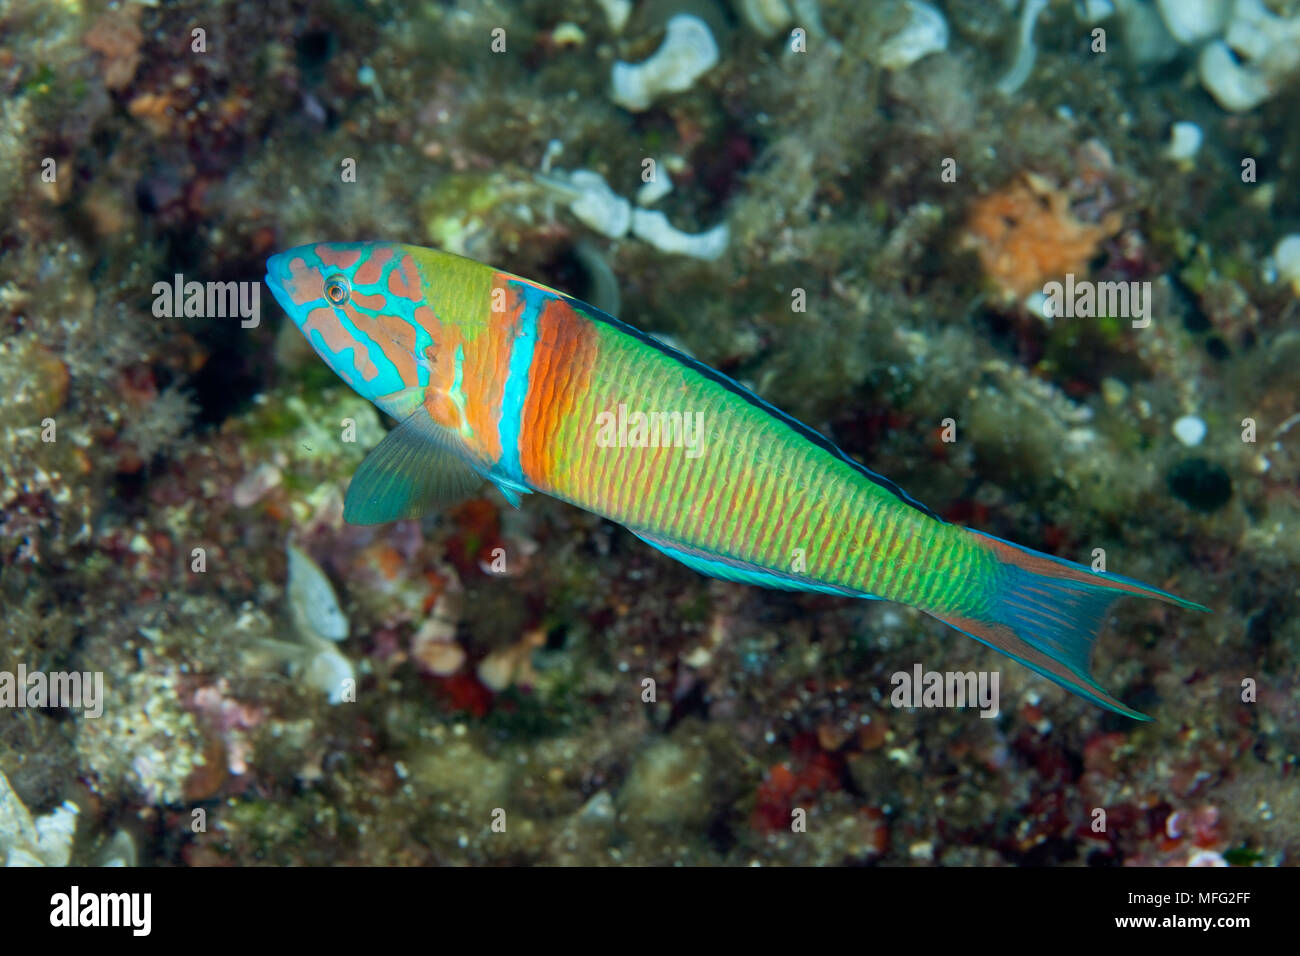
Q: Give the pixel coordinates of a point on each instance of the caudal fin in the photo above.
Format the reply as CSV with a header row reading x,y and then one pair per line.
x,y
1046,612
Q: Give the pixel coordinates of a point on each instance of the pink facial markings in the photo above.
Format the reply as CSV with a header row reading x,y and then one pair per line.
x,y
395,338
305,284
427,319
339,258
372,303
372,270
404,280
337,339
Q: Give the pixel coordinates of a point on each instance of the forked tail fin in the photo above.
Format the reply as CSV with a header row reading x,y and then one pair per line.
x,y
1046,612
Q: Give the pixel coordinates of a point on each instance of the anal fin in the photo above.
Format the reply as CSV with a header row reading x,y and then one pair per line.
x,y
510,490
742,572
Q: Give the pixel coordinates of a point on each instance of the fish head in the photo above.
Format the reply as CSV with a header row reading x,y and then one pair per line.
x,y
359,304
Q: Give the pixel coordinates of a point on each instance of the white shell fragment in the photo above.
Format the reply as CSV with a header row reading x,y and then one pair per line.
x,y
1249,53
1235,86
599,207
1255,32
655,229
311,598
1190,430
1191,21
1287,259
617,12
656,189
688,51
1184,142
1094,11
925,32
331,672
44,841
767,17
120,851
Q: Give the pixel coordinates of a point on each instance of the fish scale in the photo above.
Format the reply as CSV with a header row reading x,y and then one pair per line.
x,y
495,377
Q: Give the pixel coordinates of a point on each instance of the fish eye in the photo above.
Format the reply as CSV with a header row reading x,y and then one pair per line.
x,y
337,289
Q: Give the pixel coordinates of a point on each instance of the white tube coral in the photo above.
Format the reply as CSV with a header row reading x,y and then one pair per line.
x,y
655,229
603,210
1026,52
656,188
591,200
687,53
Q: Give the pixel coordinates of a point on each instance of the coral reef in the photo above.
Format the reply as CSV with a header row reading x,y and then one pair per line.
x,y
871,199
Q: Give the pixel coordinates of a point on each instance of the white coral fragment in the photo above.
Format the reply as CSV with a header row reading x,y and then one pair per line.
x,y
925,32
600,208
687,53
1191,21
1026,51
1286,257
311,597
319,620
1184,142
767,17
616,12
1249,52
655,188
597,206
331,672
1235,86
45,841
655,229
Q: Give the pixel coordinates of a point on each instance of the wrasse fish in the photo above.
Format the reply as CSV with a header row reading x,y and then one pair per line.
x,y
494,377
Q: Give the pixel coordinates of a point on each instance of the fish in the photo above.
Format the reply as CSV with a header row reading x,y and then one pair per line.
x,y
493,377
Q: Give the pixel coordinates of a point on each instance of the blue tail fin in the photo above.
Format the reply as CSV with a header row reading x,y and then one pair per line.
x,y
1046,613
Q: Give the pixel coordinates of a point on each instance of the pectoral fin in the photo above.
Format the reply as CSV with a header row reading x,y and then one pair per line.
x,y
418,468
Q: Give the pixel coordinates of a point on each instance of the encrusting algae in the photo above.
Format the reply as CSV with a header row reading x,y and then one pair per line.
x,y
1026,236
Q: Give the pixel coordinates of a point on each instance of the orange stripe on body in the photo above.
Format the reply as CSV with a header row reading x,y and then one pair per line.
x,y
565,354
442,369
486,368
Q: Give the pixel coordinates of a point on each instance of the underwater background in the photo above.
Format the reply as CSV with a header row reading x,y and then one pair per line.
x,y
857,210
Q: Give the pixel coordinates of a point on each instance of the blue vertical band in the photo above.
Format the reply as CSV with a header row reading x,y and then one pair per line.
x,y
515,392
